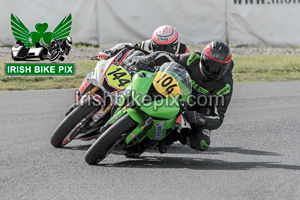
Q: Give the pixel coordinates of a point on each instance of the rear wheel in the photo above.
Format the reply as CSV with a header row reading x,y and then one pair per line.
x,y
100,149
67,125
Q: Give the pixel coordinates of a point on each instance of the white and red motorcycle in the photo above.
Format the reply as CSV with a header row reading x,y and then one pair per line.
x,y
96,99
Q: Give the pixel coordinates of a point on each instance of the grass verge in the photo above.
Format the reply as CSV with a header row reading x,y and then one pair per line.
x,y
83,67
247,69
272,68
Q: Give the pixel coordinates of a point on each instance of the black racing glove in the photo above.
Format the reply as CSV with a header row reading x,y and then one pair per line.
x,y
145,63
194,117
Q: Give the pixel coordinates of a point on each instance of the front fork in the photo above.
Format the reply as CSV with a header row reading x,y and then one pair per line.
x,y
144,121
94,124
97,117
79,98
100,101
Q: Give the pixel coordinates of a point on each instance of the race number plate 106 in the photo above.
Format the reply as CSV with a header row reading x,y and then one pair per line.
x,y
166,85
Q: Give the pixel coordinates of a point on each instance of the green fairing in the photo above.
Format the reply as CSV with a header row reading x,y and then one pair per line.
x,y
154,132
165,108
140,86
225,90
191,58
137,115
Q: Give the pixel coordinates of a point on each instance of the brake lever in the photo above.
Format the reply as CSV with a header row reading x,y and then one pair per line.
x,y
94,58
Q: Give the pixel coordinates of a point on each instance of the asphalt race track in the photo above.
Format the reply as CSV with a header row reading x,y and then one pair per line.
x,y
254,155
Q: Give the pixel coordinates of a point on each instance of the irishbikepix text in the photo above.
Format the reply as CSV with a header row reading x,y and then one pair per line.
x,y
36,69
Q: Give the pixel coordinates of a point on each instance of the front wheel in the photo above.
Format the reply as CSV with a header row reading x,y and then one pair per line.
x,y
67,125
99,150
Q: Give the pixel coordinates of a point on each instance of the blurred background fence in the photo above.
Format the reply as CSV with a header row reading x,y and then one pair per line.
x,y
258,23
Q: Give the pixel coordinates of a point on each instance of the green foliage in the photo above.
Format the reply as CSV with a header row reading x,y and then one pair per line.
x,y
83,67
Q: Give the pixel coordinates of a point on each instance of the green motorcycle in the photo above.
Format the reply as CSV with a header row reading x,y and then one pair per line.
x,y
147,113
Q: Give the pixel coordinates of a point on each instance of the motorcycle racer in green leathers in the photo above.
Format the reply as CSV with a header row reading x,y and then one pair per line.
x,y
211,73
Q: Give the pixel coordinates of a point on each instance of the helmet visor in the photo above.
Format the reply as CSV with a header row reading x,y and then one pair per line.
x,y
171,48
213,69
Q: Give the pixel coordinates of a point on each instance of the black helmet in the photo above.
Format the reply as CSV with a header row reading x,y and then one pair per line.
x,y
215,60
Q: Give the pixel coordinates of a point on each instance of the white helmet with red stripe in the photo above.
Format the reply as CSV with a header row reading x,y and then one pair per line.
x,y
215,60
165,38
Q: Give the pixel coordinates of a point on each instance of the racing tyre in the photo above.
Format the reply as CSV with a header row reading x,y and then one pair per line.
x,y
70,121
99,150
54,55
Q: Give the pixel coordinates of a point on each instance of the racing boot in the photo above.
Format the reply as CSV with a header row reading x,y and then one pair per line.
x,y
165,144
199,140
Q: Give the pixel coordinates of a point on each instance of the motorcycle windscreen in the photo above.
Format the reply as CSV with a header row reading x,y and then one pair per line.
x,y
170,83
173,80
